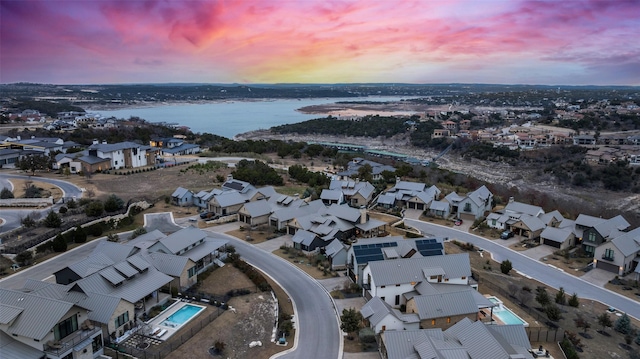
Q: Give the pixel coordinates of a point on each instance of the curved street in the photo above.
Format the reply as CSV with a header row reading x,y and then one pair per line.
x,y
535,269
12,217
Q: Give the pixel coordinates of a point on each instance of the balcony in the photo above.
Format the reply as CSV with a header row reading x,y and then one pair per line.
x,y
67,343
607,258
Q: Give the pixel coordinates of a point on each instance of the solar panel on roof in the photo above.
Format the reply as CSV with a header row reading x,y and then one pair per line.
x,y
431,252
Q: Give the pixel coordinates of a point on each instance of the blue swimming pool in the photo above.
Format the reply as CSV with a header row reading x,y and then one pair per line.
x,y
183,315
505,314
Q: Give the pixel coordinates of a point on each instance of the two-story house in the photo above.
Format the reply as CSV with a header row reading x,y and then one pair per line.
x,y
475,204
620,255
594,231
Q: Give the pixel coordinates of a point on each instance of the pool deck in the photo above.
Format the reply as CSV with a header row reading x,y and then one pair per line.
x,y
157,330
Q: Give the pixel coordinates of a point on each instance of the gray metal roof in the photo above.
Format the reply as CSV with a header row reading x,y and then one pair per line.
x,y
611,227
183,239
445,304
40,314
344,212
532,222
110,147
556,234
399,271
588,221
167,263
303,237
115,251
112,275
336,246
628,243
13,349
91,264
519,207
131,290
514,334
331,194
8,313
230,198
258,208
137,262
406,185
376,309
478,341
180,192
386,198
370,224
205,248
439,205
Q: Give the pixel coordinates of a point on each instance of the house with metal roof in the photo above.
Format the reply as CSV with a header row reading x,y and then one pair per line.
x,y
307,241
182,197
393,279
174,146
475,204
282,217
235,194
354,192
620,255
465,339
35,326
336,252
596,231
332,196
412,195
442,310
123,154
255,213
369,250
528,227
440,209
356,163
381,317
561,238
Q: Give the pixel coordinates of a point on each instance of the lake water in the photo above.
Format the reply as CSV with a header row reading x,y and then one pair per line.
x,y
230,118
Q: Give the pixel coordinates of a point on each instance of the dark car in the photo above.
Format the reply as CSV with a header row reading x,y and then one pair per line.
x,y
207,215
506,235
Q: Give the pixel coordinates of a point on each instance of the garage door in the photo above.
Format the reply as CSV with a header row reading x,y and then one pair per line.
x,y
467,217
609,267
552,243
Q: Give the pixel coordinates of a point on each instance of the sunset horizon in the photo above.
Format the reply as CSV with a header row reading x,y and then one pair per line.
x,y
68,42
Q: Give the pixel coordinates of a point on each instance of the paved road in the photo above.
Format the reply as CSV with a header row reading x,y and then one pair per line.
x,y
13,217
540,271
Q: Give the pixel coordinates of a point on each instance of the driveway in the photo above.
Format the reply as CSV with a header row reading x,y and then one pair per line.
x,y
274,244
598,276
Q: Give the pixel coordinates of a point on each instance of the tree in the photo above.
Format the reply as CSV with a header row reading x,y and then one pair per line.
x,y
59,243
138,232
71,204
33,163
623,324
32,191
79,235
351,320
542,297
553,312
52,220
605,321
28,221
365,173
24,258
113,203
561,298
94,209
574,301
506,266
6,193
581,322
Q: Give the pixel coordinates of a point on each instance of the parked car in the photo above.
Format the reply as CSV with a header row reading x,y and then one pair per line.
x,y
458,222
506,235
207,215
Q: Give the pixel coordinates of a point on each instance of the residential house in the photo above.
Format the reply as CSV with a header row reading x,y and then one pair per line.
x,y
123,154
182,197
382,317
234,194
561,238
527,226
412,195
354,192
594,231
281,217
336,253
475,204
621,254
174,147
356,163
584,140
465,339
440,209
392,278
36,326
308,241
255,213
512,213
332,196
443,310
387,248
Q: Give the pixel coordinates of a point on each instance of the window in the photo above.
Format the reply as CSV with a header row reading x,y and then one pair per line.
x,y
383,286
65,327
384,327
433,322
397,285
448,319
467,207
592,237
96,344
493,222
463,278
116,163
608,254
192,271
382,298
446,279
433,277
121,319
397,300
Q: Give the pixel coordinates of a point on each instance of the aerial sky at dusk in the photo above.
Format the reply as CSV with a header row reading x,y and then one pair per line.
x,y
321,41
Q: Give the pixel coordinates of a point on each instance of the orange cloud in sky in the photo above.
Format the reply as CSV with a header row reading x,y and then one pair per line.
x,y
319,41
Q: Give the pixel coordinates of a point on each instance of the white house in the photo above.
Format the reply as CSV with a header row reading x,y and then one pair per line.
x,y
382,317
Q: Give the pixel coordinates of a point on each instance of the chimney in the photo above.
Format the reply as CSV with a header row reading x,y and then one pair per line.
x,y
511,199
363,215
95,141
104,142
229,177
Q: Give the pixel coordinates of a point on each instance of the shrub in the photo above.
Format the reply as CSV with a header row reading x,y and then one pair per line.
x,y
506,266
569,350
63,210
113,203
79,235
52,220
6,193
561,298
24,258
367,335
59,244
553,312
95,230
542,297
94,209
574,301
138,232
